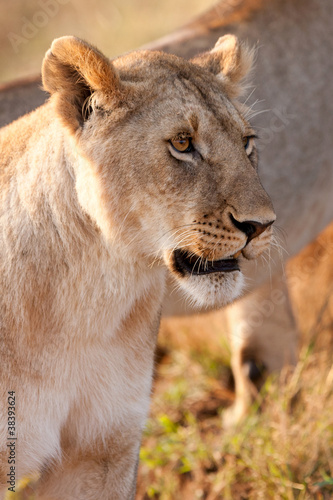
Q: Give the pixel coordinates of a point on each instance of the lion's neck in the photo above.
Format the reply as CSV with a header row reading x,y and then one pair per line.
x,y
68,263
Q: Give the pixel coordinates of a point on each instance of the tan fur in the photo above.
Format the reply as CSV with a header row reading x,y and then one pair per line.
x,y
234,65
94,203
226,13
222,15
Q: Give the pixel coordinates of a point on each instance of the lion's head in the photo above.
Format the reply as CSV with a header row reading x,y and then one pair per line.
x,y
166,163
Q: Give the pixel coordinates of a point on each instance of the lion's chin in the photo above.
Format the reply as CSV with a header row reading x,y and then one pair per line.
x,y
211,291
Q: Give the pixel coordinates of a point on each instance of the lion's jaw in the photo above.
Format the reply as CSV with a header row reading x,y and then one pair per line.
x,y
207,290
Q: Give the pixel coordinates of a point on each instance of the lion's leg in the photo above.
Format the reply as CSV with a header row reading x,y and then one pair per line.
x,y
103,471
263,337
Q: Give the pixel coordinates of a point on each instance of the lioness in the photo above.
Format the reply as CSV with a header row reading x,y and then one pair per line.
x,y
131,164
293,68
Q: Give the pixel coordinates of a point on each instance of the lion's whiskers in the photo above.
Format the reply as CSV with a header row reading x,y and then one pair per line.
x,y
249,97
175,229
180,242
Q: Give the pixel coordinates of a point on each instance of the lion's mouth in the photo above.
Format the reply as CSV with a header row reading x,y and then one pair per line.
x,y
188,263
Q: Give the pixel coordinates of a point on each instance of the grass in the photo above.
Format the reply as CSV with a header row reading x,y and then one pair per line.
x,y
283,451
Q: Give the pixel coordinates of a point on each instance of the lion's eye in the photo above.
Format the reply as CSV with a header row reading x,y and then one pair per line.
x,y
248,144
182,145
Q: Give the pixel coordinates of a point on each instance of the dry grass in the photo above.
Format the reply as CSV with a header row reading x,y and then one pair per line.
x,y
284,451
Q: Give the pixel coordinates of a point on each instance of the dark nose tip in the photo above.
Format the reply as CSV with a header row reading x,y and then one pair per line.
x,y
251,228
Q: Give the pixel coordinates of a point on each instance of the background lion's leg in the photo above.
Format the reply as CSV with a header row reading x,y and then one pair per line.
x,y
264,339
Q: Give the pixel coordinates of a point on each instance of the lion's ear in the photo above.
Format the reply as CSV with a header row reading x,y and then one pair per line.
x,y
229,60
72,71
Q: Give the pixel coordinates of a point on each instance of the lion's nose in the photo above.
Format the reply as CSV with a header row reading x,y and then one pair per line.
x,y
251,228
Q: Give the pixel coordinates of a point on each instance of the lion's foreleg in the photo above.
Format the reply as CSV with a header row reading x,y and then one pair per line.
x,y
94,474
264,339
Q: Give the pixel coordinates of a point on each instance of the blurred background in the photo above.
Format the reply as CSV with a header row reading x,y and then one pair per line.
x,y
27,28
